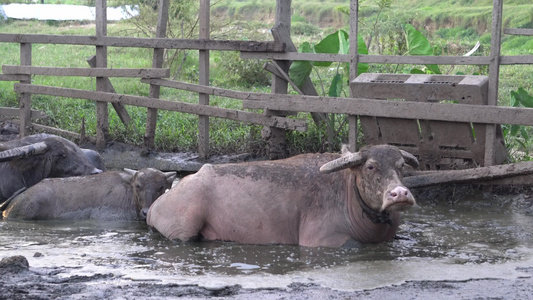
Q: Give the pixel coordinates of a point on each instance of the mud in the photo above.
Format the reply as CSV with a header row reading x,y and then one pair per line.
x,y
461,243
17,281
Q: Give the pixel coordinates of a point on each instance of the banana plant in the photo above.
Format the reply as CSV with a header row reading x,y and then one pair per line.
x,y
335,43
517,136
417,44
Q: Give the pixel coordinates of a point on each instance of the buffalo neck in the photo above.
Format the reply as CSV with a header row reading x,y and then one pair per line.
x,y
366,224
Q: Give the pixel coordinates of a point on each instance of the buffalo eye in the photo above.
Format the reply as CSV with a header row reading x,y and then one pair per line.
x,y
370,167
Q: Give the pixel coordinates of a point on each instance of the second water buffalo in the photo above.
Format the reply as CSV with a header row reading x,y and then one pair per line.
x,y
310,200
112,195
26,161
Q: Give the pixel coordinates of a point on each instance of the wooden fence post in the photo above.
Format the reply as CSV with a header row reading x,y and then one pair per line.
x,y
203,121
276,139
157,62
494,74
25,98
102,115
354,60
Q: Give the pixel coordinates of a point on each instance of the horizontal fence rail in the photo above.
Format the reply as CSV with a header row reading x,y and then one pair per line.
x,y
198,109
142,42
390,59
15,112
367,107
395,109
86,72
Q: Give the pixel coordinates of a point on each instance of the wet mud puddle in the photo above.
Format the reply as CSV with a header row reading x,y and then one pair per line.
x,y
472,236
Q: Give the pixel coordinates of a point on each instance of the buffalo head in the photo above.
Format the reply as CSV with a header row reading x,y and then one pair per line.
x,y
148,184
378,172
51,155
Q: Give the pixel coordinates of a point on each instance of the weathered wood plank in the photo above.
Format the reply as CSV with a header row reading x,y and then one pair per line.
x,y
367,107
494,76
518,31
201,88
232,114
516,60
203,72
468,175
380,59
276,138
353,131
57,131
396,109
157,62
15,112
12,77
109,41
64,133
102,114
25,99
86,72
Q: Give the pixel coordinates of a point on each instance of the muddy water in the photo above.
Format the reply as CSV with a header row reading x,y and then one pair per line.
x,y
461,236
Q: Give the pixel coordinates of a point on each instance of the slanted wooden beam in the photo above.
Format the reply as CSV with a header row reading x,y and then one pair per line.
x,y
119,108
481,174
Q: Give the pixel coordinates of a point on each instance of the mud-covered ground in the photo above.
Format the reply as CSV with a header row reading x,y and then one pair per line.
x,y
18,281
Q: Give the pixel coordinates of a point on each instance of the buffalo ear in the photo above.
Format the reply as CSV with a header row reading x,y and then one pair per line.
x,y
410,159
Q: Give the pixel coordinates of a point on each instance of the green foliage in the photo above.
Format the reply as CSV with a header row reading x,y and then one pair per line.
x,y
304,28
335,43
457,33
417,44
517,137
230,70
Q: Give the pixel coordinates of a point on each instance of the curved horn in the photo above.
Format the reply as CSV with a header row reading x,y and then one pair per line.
x,y
172,175
23,152
347,161
130,171
410,159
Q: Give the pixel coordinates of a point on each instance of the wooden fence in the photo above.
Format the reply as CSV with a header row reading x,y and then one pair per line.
x,y
276,105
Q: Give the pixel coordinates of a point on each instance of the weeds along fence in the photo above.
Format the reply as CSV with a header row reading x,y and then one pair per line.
x,y
277,105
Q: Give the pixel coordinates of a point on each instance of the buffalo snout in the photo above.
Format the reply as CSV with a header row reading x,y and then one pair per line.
x,y
398,198
143,214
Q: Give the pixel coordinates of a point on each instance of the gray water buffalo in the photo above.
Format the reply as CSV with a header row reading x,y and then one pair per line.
x,y
310,200
26,161
115,195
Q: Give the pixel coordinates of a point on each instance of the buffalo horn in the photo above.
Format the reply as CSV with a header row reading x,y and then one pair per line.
x,y
23,152
347,161
410,159
130,171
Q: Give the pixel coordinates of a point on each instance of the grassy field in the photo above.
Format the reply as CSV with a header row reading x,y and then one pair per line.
x,y
452,27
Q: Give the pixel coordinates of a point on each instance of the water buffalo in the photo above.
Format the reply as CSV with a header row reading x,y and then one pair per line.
x,y
310,200
115,195
26,161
